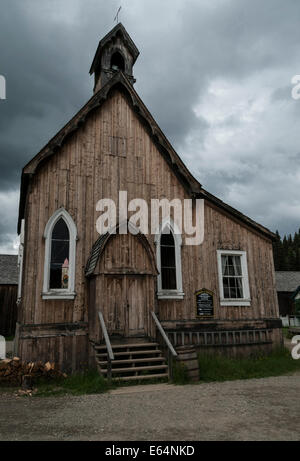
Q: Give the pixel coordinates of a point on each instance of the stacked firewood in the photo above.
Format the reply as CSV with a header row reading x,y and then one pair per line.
x,y
15,372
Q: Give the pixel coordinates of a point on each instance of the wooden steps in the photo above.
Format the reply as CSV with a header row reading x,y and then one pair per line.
x,y
125,361
128,346
131,353
141,377
134,361
132,369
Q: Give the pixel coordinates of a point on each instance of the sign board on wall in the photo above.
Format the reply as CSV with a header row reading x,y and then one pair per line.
x,y
204,303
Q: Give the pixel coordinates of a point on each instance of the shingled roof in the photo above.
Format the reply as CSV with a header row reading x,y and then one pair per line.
x,y
287,281
8,269
94,256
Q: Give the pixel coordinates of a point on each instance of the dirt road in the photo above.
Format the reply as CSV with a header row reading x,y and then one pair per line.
x,y
258,409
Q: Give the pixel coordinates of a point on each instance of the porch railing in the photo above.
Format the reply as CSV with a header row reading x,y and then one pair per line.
x,y
110,354
171,351
220,338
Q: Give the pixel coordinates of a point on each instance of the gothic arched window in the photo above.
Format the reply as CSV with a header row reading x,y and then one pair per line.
x,y
60,247
167,262
168,254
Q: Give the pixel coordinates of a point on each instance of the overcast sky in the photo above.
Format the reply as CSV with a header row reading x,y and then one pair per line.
x,y
215,74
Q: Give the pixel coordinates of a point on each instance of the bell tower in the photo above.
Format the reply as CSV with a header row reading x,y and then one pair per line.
x,y
116,52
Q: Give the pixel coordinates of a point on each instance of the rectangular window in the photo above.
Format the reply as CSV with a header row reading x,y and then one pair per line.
x,y
233,278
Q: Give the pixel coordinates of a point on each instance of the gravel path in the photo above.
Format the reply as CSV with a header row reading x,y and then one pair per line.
x,y
257,409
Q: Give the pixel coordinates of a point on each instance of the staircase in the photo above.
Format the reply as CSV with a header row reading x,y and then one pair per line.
x,y
135,360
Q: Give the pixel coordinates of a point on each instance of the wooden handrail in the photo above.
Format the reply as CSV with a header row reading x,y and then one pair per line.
x,y
110,354
165,337
106,337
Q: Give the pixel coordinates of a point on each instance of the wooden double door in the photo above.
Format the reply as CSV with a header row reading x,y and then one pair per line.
x,y
129,302
123,288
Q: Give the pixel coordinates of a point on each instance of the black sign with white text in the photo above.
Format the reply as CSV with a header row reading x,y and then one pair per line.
x,y
204,303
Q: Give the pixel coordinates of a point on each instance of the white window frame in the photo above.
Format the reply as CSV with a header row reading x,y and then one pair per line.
x,y
60,293
246,300
169,294
20,261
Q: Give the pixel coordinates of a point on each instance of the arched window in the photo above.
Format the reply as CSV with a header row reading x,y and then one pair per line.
x,y
168,254
60,248
167,262
117,62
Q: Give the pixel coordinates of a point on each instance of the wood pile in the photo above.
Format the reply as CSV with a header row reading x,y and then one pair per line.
x,y
15,372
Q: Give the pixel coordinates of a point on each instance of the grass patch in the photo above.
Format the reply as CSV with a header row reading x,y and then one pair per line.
x,y
4,389
220,368
180,374
85,383
77,384
9,338
286,333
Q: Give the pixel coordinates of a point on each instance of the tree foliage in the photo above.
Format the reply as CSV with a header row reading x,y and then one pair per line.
x,y
287,252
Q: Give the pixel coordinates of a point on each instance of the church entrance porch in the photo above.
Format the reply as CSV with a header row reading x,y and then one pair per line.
x,y
121,275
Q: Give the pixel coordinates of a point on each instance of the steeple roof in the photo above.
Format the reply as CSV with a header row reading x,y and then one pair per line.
x,y
118,30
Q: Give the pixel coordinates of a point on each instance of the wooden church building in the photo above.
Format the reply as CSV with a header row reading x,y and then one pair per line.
x,y
88,298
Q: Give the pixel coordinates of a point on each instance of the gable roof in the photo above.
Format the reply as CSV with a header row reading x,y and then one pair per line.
x,y
287,280
120,82
8,269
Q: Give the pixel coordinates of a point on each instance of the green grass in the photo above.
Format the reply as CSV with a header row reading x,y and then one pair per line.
x,y
86,383
9,338
220,368
286,333
77,384
180,375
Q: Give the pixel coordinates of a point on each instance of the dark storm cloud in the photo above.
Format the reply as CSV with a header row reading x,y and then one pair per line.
x,y
215,74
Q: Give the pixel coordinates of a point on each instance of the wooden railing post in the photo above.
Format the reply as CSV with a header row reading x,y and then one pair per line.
x,y
170,364
110,354
171,351
109,370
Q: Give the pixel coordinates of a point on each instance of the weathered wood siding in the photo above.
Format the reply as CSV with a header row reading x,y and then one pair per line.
x,y
199,270
65,344
84,171
8,309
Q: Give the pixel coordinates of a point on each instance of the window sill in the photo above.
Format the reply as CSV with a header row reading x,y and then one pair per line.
x,y
58,295
235,302
170,295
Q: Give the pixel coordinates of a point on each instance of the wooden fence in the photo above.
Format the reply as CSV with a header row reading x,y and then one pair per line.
x,y
220,338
